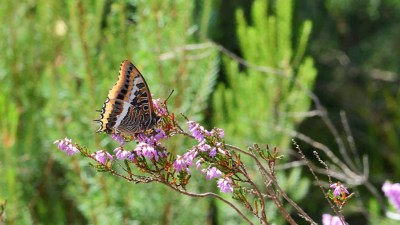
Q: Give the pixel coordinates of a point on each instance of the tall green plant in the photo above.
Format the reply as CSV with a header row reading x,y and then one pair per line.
x,y
258,103
268,97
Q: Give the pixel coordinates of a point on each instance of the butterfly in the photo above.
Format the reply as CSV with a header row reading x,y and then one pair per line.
x,y
129,108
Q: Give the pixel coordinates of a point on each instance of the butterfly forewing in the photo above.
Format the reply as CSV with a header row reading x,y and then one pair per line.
x,y
129,106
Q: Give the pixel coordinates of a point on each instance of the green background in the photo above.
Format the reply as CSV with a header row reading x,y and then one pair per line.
x,y
264,71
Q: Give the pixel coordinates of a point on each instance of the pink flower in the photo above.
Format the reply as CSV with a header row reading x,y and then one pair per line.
x,y
392,191
118,138
102,156
159,107
147,151
153,139
198,163
180,164
225,184
338,189
212,173
67,146
196,130
331,220
190,156
121,154
202,146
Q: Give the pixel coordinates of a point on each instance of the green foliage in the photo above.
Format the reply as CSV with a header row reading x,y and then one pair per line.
x,y
258,104
59,61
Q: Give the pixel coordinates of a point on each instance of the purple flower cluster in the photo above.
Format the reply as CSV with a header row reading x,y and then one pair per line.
x,y
199,133
338,189
392,191
225,184
118,138
158,106
102,156
209,143
149,151
153,139
328,219
212,173
183,162
67,146
122,154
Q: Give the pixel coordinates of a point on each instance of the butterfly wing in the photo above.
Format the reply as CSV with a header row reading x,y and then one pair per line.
x,y
129,106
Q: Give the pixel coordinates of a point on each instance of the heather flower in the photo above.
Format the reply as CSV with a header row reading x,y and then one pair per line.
x,y
219,148
147,151
67,146
221,132
213,152
158,106
225,184
180,164
131,157
392,191
338,189
198,163
121,154
118,138
212,173
196,130
218,132
152,139
189,156
202,146
142,138
331,220
160,134
101,156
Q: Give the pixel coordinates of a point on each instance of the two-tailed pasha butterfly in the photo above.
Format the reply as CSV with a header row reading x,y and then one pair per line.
x,y
129,108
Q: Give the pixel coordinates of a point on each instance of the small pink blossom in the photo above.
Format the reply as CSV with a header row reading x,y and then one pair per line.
x,y
328,219
148,151
198,163
202,146
67,146
158,106
196,130
118,138
225,184
180,164
392,191
213,152
212,173
102,156
121,154
338,189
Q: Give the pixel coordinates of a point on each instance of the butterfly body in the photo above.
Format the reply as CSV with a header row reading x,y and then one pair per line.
x,y
129,108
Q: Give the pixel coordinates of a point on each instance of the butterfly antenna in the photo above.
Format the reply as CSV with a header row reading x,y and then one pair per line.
x,y
169,95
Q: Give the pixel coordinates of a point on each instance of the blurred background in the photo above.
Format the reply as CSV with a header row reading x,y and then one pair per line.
x,y
325,73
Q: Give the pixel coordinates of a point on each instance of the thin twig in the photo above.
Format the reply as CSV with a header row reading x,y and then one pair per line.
x,y
280,191
315,177
350,139
213,195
